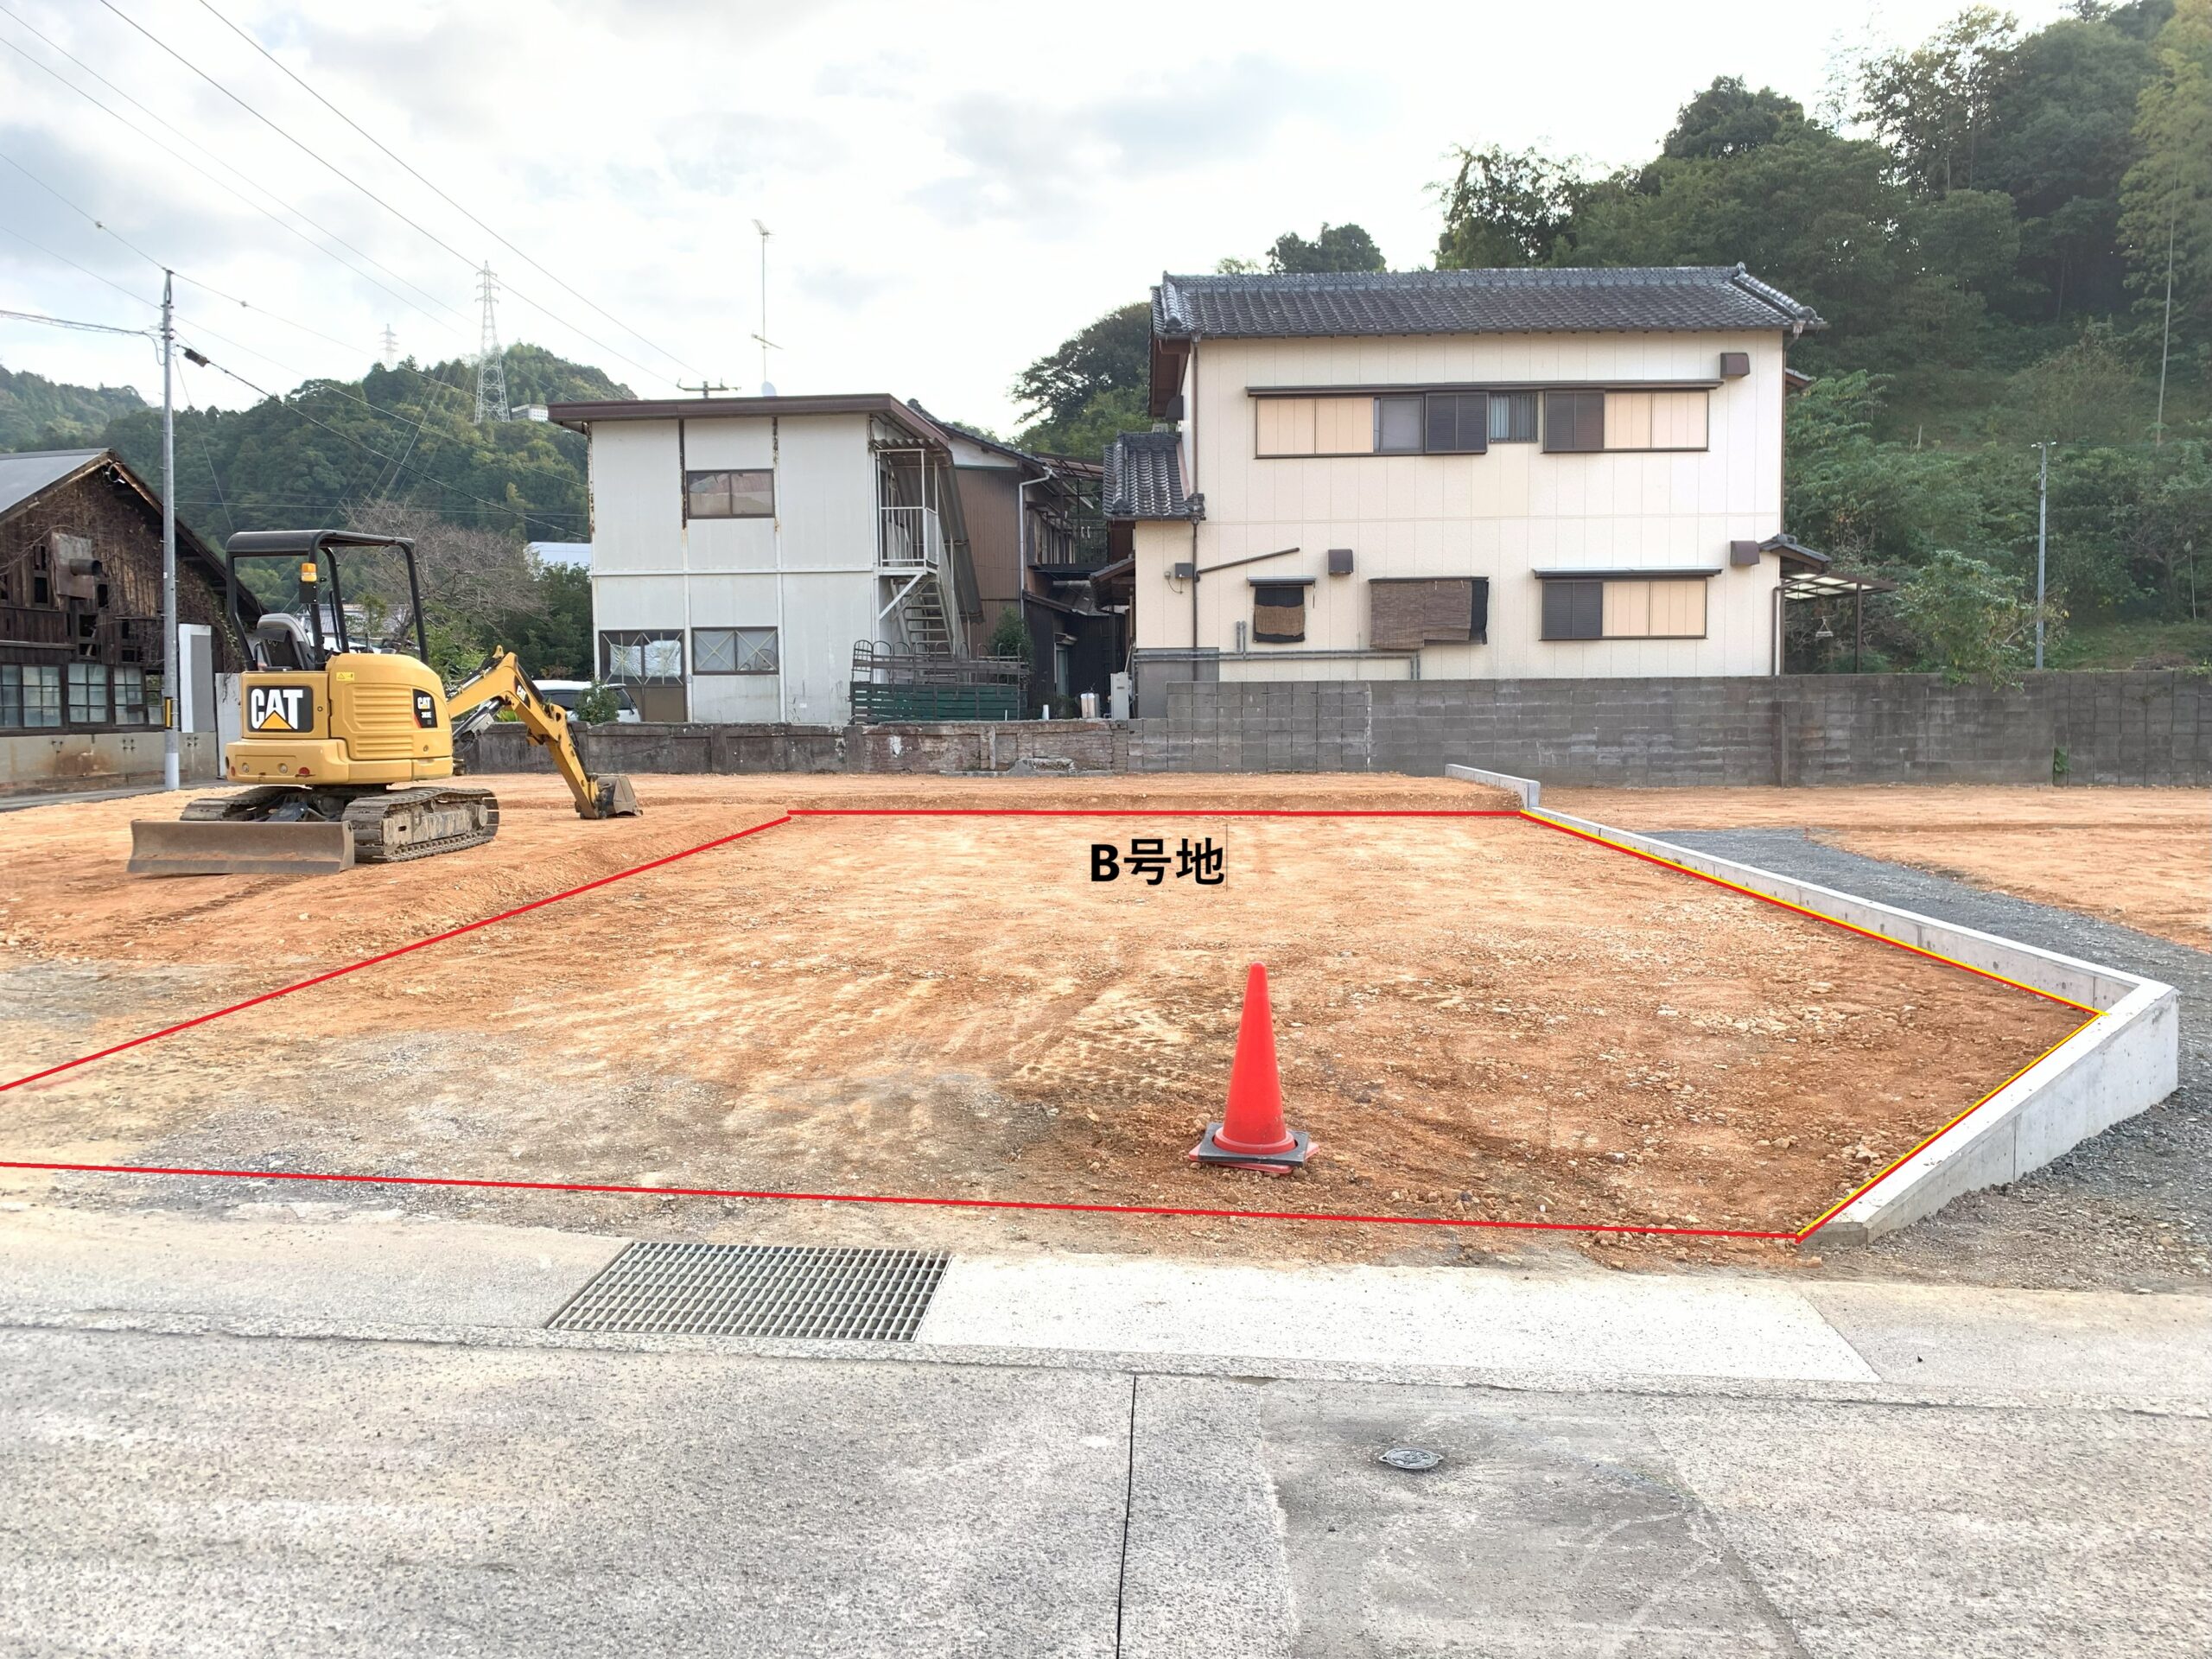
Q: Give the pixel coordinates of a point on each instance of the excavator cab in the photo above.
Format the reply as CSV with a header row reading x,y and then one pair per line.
x,y
345,731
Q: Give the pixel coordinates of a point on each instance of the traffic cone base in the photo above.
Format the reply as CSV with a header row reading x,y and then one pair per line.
x,y
1285,1162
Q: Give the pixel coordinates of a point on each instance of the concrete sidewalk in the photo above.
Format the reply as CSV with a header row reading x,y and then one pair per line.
x,y
303,1430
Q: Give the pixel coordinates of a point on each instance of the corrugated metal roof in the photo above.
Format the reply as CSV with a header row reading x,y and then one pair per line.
x,y
1546,299
22,476
1144,478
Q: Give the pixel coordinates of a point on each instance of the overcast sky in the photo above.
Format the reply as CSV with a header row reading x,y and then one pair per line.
x,y
953,188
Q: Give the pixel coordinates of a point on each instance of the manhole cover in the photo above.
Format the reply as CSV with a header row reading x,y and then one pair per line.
x,y
1415,1459
758,1290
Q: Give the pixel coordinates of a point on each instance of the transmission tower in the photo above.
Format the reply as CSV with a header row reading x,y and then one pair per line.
x,y
389,354
491,361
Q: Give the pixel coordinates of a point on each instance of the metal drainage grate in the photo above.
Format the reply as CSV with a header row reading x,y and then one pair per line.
x,y
758,1290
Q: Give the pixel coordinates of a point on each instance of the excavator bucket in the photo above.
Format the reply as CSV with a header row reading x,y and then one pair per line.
x,y
239,846
613,798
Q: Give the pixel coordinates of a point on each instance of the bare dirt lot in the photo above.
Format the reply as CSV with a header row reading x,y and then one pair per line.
x,y
2139,857
1477,1017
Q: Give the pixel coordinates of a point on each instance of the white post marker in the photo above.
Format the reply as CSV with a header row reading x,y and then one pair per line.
x,y
171,663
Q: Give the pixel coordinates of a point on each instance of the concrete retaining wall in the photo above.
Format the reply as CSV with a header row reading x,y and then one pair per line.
x,y
2126,1059
40,762
2149,726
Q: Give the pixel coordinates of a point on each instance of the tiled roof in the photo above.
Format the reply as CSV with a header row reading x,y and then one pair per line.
x,y
1144,478
1540,300
22,476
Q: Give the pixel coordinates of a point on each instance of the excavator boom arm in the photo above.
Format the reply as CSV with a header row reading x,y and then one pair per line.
x,y
502,681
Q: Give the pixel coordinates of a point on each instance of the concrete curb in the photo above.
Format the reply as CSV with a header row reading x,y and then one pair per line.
x,y
2126,1060
1529,790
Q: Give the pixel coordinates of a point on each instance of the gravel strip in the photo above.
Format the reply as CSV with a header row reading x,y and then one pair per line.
x,y
2129,1209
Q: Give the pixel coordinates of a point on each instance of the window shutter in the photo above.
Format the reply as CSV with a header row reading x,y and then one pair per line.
x,y
1589,607
1459,422
1574,610
1574,421
1443,425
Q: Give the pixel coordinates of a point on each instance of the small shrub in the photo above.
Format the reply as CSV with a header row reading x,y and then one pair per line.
x,y
599,705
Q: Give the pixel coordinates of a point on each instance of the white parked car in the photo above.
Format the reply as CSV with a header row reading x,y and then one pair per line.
x,y
570,693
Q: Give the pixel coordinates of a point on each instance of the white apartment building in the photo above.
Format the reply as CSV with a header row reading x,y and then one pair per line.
x,y
1459,474
744,548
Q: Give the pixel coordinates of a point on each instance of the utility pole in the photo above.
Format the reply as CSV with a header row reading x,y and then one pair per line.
x,y
2165,335
2043,538
766,345
172,658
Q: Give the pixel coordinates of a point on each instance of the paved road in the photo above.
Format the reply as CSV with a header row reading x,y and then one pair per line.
x,y
315,1433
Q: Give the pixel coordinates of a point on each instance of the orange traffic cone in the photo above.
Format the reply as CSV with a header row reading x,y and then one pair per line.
x,y
1252,1134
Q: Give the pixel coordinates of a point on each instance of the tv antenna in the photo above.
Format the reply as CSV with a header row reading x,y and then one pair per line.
x,y
766,345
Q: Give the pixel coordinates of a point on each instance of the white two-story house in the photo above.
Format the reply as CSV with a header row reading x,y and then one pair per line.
x,y
1458,474
746,551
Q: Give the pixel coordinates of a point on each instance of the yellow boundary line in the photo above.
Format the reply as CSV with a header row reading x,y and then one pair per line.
x,y
1539,816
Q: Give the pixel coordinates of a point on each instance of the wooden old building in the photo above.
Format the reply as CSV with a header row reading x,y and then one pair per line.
x,y
80,594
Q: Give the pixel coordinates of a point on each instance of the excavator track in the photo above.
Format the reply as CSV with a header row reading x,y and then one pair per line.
x,y
405,824
242,803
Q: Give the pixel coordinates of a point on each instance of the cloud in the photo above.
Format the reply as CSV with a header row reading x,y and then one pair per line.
x,y
842,286
1041,161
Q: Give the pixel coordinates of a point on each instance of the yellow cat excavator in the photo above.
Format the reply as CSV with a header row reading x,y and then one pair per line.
x,y
344,739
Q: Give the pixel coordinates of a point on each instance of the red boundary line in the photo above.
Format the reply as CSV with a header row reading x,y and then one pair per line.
x,y
883,1198
371,961
1799,1236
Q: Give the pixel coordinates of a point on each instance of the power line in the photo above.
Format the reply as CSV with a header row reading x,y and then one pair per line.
x,y
94,219
256,44
207,455
69,322
339,173
187,160
369,449
74,265
417,427
96,223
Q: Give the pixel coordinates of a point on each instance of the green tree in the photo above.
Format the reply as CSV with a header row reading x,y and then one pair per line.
x,y
1092,386
1971,620
1009,636
1339,247
2059,142
1728,118
2166,211
1932,102
1506,208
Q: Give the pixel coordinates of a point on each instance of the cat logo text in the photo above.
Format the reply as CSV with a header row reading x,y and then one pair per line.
x,y
277,708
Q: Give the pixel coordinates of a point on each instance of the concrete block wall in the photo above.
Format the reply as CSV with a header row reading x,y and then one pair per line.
x,y
46,762
2138,727
993,746
2151,727
505,747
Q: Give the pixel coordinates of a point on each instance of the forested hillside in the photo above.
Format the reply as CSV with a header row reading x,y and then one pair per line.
x,y
398,450
37,413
